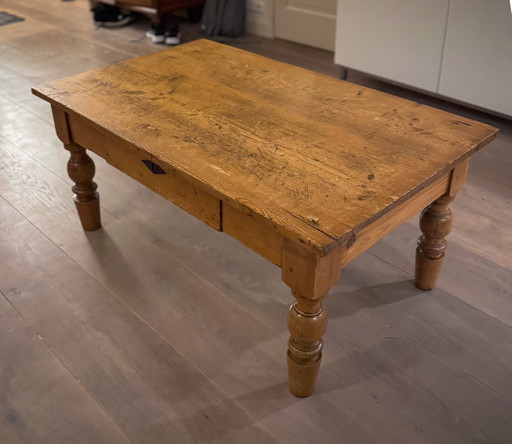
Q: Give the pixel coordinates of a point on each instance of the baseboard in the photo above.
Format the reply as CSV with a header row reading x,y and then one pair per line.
x,y
259,27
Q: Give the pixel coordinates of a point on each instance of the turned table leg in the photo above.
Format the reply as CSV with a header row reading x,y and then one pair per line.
x,y
310,277
435,224
81,171
307,322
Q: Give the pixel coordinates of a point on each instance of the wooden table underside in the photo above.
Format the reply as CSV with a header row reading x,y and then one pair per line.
x,y
304,212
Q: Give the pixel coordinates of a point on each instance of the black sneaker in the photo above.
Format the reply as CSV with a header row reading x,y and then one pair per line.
x,y
110,16
173,36
156,33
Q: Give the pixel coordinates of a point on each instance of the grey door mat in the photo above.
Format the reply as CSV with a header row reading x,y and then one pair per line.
x,y
6,18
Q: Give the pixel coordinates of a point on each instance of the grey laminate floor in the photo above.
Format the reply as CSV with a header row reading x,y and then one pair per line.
x,y
157,329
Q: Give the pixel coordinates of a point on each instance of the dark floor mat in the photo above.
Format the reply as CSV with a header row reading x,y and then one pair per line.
x,y
6,18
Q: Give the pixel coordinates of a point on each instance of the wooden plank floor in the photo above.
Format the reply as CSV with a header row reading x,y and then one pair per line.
x,y
157,329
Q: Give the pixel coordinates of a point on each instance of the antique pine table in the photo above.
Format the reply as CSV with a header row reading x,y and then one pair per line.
x,y
306,170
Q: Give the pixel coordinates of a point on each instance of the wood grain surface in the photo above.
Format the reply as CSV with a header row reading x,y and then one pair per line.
x,y
315,156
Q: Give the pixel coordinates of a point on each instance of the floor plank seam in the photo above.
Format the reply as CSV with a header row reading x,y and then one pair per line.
x,y
64,364
440,288
444,359
348,384
461,369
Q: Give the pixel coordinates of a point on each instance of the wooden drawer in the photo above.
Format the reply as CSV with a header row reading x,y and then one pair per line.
x,y
151,172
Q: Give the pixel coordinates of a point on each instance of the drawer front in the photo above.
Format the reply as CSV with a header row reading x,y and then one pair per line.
x,y
253,232
148,171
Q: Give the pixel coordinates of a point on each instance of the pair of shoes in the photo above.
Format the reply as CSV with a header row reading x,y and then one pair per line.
x,y
160,34
173,36
156,33
110,16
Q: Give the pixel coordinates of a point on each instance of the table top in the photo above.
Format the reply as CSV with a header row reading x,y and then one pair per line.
x,y
313,155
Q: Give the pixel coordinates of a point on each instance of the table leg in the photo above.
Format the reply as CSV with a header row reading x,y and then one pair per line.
x,y
310,277
307,322
435,223
81,170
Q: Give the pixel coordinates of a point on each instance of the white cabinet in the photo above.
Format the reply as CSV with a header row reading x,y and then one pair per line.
x,y
477,62
400,40
460,49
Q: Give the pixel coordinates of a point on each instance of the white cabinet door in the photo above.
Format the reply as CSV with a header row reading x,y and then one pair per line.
x,y
477,62
399,40
310,22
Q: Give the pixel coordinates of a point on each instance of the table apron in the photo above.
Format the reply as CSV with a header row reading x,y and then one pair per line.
x,y
145,169
376,230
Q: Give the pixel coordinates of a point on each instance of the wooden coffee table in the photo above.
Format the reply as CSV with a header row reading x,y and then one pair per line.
x,y
306,170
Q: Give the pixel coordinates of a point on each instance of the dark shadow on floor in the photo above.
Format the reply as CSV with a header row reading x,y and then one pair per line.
x,y
347,303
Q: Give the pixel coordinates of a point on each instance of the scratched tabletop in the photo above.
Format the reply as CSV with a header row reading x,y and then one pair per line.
x,y
308,152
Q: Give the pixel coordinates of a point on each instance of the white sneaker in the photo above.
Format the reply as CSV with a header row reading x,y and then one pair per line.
x,y
156,33
173,36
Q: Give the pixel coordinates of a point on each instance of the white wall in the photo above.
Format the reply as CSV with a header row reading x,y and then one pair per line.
x,y
260,17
